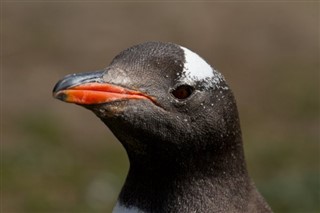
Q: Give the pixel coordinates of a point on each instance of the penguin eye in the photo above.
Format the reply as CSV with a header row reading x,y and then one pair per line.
x,y
182,92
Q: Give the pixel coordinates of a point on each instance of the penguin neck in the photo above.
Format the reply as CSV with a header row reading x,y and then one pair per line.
x,y
181,182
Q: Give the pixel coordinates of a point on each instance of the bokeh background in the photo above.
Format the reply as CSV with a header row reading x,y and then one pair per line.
x,y
59,157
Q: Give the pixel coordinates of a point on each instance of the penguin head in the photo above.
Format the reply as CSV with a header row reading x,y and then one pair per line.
x,y
158,98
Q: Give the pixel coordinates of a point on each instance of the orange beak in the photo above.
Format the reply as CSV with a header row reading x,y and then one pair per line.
x,y
89,88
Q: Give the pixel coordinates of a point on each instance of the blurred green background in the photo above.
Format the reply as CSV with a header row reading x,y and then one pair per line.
x,y
59,157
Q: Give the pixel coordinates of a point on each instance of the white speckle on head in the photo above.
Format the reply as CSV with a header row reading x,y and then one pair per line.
x,y
122,209
197,70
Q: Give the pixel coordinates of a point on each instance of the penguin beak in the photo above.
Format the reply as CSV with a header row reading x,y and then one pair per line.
x,y
89,88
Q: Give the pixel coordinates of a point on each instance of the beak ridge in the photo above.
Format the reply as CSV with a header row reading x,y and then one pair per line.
x,y
73,80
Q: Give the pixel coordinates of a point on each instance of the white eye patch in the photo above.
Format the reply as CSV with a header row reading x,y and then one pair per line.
x,y
197,70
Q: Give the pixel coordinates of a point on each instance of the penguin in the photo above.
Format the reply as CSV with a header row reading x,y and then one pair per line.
x,y
177,119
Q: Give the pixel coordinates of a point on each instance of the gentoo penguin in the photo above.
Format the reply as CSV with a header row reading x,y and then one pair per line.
x,y
177,119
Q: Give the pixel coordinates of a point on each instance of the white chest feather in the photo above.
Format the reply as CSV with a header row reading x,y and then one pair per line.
x,y
122,209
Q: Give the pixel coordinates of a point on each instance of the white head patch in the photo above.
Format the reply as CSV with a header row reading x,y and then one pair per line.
x,y
196,70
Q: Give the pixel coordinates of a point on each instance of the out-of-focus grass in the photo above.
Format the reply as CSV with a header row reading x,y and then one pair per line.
x,y
48,172
284,155
284,180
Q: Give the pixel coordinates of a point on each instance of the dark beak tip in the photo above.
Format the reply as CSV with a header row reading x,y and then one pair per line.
x,y
60,96
76,79
56,88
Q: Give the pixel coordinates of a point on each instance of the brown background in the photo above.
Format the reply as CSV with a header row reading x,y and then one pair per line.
x,y
58,157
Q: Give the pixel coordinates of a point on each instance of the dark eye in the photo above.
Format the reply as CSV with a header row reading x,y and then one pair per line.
x,y
182,91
